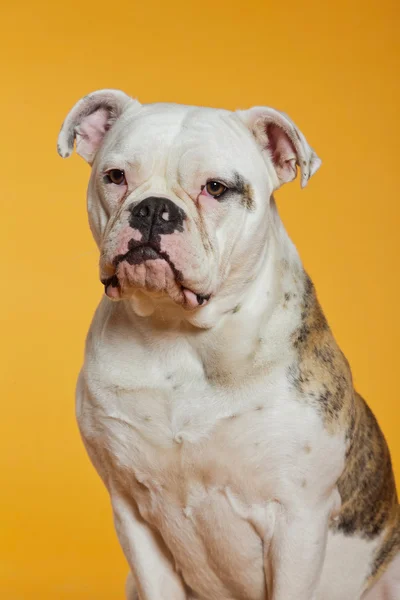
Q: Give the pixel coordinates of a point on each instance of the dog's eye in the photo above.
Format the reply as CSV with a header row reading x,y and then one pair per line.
x,y
115,176
215,188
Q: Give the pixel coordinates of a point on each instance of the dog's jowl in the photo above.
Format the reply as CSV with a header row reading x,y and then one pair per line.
x,y
214,401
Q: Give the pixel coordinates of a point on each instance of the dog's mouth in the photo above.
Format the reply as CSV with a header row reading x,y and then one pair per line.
x,y
139,255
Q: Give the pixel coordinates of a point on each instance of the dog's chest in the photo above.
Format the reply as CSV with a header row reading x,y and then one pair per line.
x,y
164,413
204,464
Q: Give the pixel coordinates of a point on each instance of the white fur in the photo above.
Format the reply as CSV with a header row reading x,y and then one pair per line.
x,y
200,475
222,480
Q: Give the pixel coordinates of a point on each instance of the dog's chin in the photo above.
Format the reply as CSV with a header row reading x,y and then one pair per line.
x,y
155,277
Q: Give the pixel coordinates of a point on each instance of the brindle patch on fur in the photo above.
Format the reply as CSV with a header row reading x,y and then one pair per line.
x,y
322,377
367,487
387,550
286,299
247,197
320,372
243,187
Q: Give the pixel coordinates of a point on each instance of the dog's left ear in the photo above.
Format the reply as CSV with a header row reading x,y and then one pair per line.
x,y
282,142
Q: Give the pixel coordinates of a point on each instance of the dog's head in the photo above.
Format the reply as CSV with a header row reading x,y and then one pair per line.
x,y
179,196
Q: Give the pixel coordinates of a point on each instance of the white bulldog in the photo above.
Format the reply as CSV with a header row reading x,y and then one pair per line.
x,y
214,401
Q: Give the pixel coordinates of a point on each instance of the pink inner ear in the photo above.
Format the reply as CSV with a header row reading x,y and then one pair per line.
x,y
90,133
282,152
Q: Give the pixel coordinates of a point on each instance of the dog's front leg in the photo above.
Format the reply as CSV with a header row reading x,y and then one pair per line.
x,y
146,554
295,556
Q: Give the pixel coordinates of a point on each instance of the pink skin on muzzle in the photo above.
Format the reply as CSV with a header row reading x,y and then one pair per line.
x,y
155,275
188,298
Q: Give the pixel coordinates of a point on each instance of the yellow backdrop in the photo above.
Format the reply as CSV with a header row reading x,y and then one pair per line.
x,y
333,67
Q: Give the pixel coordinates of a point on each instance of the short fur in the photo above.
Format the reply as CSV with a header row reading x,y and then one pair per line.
x,y
214,400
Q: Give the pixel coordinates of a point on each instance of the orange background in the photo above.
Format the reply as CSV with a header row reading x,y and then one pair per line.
x,y
333,67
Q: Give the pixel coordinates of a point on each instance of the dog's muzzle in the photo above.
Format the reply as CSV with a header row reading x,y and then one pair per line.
x,y
151,220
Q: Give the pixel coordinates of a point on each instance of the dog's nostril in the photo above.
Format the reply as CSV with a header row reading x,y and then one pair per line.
x,y
144,211
165,214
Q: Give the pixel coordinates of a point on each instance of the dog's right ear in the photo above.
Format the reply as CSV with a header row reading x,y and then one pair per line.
x,y
89,120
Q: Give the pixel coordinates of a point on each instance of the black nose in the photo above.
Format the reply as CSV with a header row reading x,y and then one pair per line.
x,y
156,216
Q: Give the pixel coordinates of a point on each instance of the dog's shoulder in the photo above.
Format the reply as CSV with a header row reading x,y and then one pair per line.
x,y
319,372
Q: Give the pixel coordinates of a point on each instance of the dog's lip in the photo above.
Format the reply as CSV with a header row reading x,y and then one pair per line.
x,y
112,287
190,299
142,251
194,300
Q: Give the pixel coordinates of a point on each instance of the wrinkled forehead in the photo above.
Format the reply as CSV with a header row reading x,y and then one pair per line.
x,y
184,139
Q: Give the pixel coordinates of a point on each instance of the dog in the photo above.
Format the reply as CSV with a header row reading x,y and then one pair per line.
x,y
214,401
